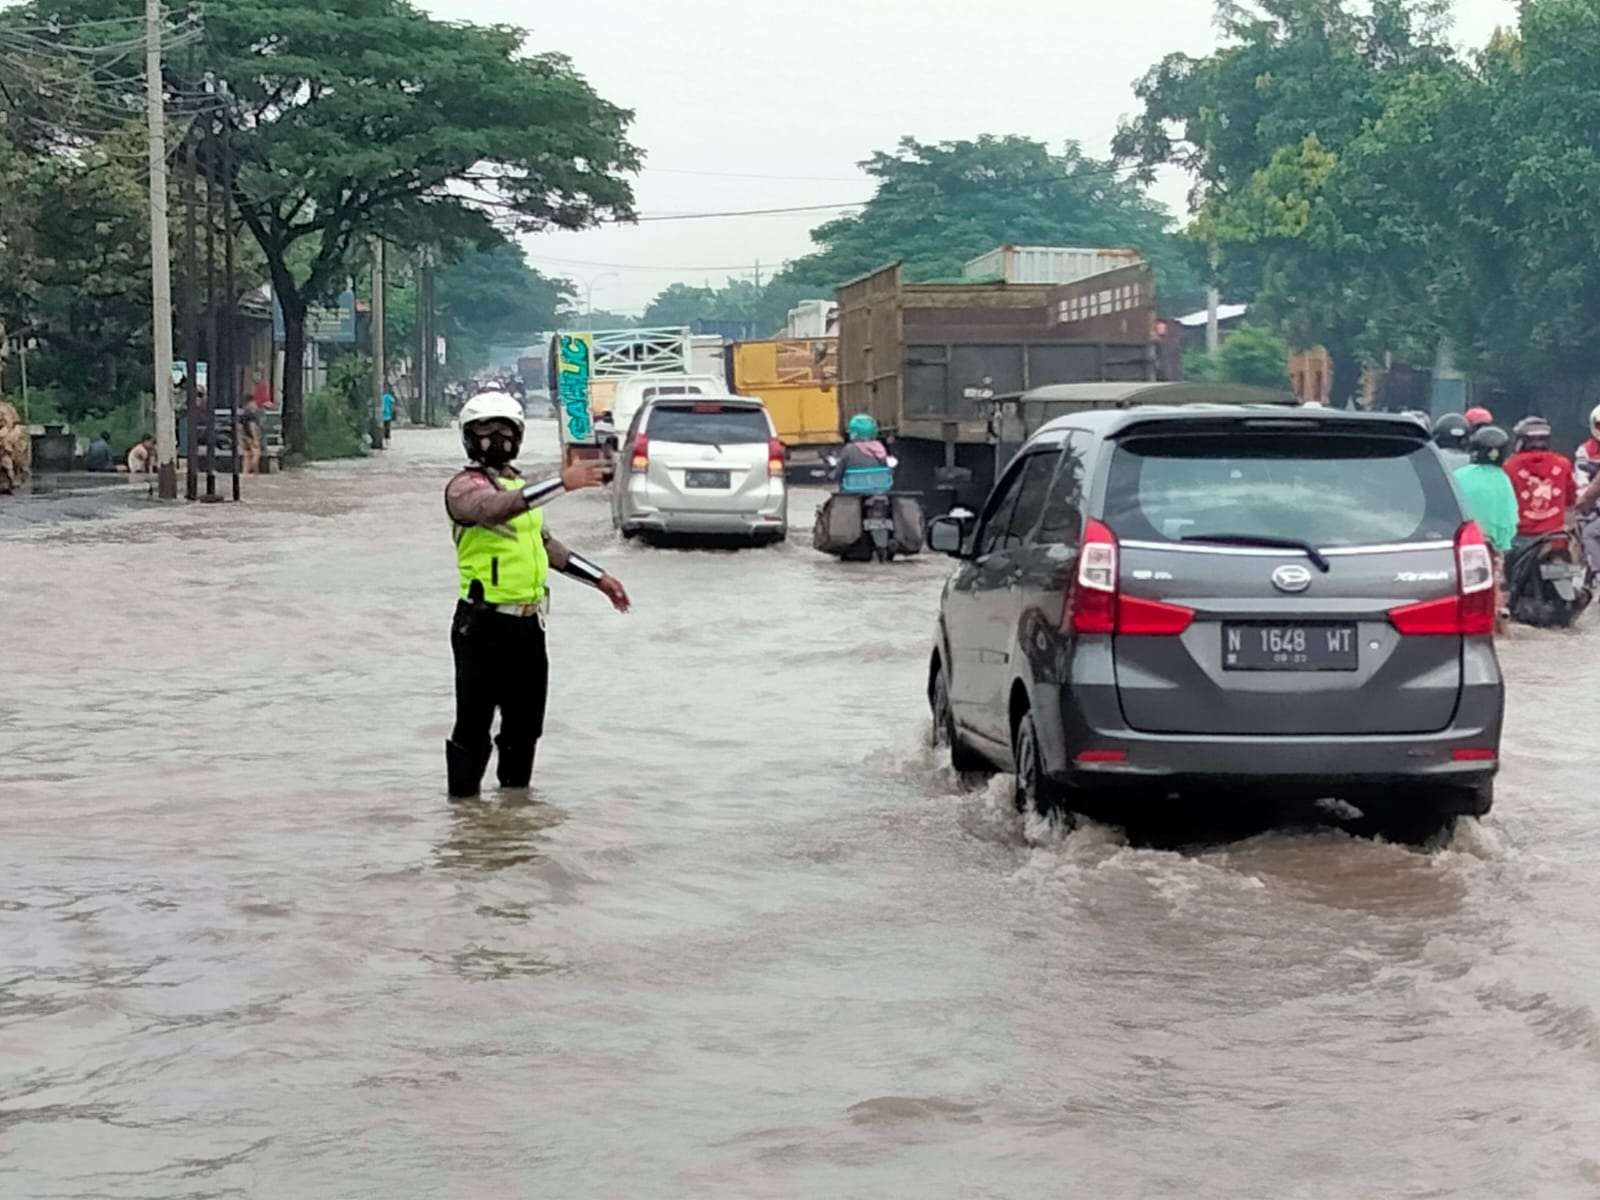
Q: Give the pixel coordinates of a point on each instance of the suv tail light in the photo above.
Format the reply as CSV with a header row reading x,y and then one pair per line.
x,y
1471,610
641,454
775,456
1095,604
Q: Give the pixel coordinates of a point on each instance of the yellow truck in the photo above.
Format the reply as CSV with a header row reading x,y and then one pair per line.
x,y
797,379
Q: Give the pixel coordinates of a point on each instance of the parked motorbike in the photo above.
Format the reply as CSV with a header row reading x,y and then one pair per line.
x,y
1548,583
866,521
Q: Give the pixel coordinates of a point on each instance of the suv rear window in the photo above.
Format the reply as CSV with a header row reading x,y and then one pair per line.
x,y
709,424
1327,489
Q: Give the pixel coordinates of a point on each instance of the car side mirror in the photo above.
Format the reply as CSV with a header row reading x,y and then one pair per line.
x,y
948,534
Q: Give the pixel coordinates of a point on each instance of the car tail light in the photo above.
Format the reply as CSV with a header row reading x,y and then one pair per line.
x,y
1094,604
1471,610
775,456
641,454
1102,756
1474,754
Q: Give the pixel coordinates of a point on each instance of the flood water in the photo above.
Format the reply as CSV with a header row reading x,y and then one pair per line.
x,y
748,938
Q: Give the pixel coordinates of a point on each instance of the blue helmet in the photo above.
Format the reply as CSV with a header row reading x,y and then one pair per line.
x,y
862,428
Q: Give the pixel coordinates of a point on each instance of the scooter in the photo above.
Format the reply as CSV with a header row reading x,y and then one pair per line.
x,y
867,522
1548,583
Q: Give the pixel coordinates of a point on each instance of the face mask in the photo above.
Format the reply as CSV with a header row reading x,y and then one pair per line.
x,y
496,448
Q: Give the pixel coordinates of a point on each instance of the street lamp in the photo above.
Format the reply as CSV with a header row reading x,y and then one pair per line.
x,y
589,289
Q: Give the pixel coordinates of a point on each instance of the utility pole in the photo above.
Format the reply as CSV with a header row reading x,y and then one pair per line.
x,y
191,315
235,384
758,274
422,338
378,357
160,254
1213,303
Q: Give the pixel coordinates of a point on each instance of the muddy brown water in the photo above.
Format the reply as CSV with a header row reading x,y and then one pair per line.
x,y
747,938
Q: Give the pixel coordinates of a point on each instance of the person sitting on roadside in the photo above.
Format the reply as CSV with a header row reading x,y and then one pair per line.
x,y
142,458
98,457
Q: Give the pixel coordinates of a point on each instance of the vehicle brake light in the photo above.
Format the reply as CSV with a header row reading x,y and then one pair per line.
x,y
641,454
1470,611
775,457
1095,604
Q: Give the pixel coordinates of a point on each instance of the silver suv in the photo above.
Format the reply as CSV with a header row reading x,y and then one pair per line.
x,y
702,465
1186,599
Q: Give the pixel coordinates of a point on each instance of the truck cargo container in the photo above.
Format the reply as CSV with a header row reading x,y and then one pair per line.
x,y
585,369
1047,264
925,359
798,379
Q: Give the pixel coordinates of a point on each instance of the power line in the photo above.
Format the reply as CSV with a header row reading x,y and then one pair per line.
x,y
751,175
747,212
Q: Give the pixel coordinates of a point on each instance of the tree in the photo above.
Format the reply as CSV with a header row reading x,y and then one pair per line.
x,y
75,266
491,298
1262,126
940,205
1253,356
362,117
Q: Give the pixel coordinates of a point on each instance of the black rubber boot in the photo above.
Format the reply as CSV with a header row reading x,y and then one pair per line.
x,y
465,770
516,763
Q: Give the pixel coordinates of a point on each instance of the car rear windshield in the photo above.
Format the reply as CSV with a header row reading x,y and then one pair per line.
x,y
708,424
1326,489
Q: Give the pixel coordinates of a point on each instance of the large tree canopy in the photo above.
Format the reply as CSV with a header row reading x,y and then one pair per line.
x,y
361,117
940,205
1262,126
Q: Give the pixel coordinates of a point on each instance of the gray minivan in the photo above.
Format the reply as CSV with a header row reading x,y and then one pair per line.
x,y
1223,598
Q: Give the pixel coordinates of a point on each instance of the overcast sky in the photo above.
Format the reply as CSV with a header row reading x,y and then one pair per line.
x,y
727,90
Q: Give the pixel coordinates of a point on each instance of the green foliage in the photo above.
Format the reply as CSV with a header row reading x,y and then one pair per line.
x,y
350,383
1264,126
359,117
764,308
492,297
1249,355
939,205
333,430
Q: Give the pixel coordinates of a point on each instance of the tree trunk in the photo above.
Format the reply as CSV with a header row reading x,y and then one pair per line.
x,y
294,375
1346,378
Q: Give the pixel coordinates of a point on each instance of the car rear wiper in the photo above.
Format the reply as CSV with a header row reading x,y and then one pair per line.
x,y
1251,539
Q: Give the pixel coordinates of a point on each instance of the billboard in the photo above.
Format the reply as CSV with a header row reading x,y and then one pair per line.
x,y
574,371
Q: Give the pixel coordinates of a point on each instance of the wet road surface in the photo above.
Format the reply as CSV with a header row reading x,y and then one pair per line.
x,y
747,938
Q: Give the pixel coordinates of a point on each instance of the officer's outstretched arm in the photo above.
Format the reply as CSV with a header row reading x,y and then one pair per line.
x,y
573,565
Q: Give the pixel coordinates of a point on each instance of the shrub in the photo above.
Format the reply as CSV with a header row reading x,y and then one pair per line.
x,y
332,430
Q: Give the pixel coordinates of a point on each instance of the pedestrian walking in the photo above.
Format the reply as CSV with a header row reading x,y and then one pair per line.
x,y
250,437
388,413
142,458
504,555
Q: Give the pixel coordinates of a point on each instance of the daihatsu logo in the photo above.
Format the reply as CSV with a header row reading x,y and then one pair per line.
x,y
1291,578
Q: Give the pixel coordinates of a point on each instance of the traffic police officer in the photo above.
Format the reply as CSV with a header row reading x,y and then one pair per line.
x,y
505,555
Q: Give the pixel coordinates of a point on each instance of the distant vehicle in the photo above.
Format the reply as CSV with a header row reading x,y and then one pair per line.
x,y
710,464
632,393
536,403
1215,600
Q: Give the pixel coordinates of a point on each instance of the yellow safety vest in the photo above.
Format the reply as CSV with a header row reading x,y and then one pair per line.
x,y
509,560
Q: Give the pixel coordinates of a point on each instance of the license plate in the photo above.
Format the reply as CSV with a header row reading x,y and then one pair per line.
x,y
883,523
1289,648
707,479
1560,571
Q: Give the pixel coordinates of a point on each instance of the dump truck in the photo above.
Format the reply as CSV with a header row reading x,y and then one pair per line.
x,y
585,369
925,360
798,380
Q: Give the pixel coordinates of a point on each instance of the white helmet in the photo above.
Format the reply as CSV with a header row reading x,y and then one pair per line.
x,y
1594,418
489,406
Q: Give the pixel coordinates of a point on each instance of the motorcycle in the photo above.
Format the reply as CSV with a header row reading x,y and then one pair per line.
x,y
1548,583
866,521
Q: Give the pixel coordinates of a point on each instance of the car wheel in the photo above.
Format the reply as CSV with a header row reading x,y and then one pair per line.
x,y
945,733
1034,793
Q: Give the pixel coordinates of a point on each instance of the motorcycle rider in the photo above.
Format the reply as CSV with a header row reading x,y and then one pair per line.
x,y
1491,501
504,555
1478,416
1450,434
863,464
1586,466
1543,480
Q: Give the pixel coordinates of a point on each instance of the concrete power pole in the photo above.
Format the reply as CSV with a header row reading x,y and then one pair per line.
x,y
378,356
160,255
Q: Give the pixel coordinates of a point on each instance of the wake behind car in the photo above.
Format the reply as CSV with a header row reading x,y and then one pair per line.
x,y
702,465
1216,598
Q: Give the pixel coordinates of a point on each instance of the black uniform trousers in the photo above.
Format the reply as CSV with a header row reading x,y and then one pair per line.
x,y
501,663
